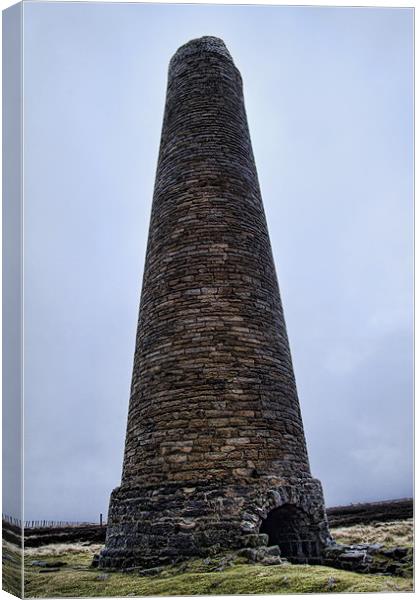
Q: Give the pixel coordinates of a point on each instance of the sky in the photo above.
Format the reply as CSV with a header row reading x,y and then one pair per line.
x,y
329,99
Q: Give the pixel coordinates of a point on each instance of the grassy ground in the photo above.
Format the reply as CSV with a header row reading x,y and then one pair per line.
x,y
11,569
394,533
77,579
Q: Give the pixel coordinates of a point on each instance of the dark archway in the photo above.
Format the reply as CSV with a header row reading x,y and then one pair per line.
x,y
290,528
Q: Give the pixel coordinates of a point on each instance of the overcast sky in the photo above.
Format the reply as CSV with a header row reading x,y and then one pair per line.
x,y
328,93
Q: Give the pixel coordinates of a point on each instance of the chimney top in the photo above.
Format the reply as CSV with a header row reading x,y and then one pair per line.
x,y
207,43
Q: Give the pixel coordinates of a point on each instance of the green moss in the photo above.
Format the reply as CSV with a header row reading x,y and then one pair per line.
x,y
79,580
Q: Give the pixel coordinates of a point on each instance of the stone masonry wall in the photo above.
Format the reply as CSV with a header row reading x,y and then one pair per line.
x,y
213,391
157,524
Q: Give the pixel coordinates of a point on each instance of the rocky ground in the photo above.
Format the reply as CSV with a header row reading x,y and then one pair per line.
x,y
64,570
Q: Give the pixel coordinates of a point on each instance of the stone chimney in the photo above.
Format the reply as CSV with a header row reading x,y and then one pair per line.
x,y
215,452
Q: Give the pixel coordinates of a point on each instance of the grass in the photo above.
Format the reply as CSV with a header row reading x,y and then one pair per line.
x,y
394,533
240,579
58,551
12,569
77,579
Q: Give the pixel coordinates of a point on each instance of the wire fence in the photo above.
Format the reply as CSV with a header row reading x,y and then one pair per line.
x,y
50,524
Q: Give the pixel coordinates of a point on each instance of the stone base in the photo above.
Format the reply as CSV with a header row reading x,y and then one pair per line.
x,y
153,525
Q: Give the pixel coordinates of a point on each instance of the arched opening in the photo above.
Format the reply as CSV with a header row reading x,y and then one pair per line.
x,y
290,528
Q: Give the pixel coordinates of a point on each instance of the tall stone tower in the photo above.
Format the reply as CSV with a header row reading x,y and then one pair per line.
x,y
215,450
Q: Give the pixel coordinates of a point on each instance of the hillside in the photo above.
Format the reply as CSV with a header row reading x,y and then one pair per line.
x,y
59,567
221,575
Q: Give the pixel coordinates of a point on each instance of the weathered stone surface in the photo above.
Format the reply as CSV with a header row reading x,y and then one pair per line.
x,y
272,560
369,558
266,556
249,553
273,551
215,440
254,540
